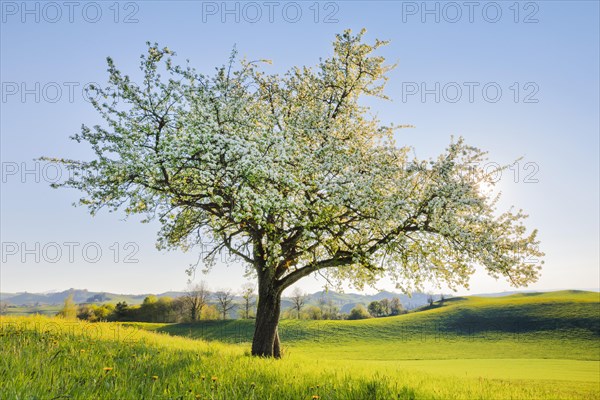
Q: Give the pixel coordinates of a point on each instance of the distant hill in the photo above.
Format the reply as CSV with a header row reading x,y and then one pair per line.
x,y
79,296
347,301
27,303
510,293
344,301
502,294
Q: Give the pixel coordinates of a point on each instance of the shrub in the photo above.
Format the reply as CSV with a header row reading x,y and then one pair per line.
x,y
359,312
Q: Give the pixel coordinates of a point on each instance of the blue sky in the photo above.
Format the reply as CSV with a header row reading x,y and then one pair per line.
x,y
517,79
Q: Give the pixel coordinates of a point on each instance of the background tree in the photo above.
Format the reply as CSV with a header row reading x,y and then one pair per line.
x,y
375,309
164,310
195,298
147,310
298,299
396,307
292,174
179,310
385,306
224,302
359,312
331,310
69,309
248,298
313,312
210,312
322,301
430,299
121,311
94,312
85,311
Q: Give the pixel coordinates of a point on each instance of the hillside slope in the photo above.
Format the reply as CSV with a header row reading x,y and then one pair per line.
x,y
48,358
571,313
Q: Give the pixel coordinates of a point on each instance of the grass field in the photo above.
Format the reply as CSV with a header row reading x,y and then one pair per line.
x,y
542,346
33,310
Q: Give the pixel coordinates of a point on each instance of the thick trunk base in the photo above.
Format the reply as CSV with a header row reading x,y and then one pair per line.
x,y
266,336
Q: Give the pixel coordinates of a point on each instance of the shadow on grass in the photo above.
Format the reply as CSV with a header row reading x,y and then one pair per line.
x,y
561,319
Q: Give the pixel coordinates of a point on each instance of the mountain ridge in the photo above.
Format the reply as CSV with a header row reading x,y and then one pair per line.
x,y
346,301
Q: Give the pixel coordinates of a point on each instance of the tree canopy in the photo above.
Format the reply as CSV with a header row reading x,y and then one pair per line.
x,y
292,174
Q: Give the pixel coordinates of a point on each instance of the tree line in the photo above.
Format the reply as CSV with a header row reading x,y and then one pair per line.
x,y
327,309
198,303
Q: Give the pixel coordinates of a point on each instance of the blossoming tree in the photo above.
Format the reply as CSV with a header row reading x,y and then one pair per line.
x,y
291,174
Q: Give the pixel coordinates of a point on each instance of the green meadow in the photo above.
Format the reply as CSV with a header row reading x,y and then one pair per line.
x,y
49,310
527,346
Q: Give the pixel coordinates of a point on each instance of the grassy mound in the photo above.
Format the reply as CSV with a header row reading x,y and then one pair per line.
x,y
566,314
427,354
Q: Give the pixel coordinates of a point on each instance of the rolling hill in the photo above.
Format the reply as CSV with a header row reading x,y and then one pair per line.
x,y
523,346
520,316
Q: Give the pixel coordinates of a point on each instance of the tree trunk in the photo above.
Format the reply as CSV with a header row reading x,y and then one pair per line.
x,y
266,338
